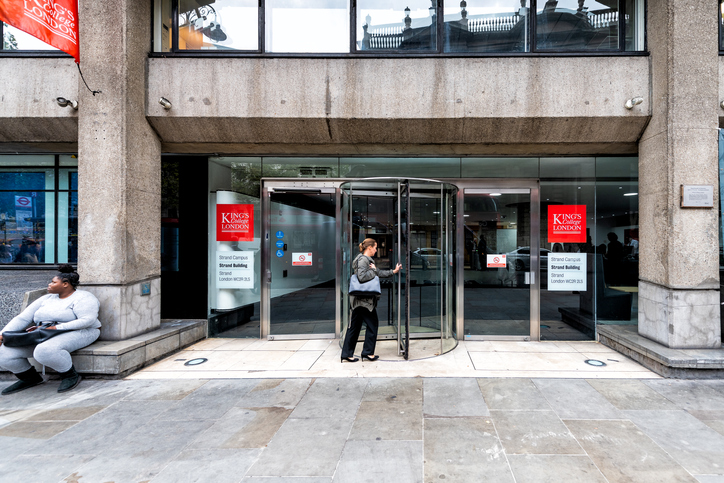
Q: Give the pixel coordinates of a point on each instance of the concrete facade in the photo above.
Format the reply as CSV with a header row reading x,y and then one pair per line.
x,y
409,106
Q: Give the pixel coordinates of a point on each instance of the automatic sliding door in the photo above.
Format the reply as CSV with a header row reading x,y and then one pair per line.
x,y
500,267
302,262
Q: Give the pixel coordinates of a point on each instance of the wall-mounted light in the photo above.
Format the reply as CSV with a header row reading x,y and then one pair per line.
x,y
633,102
722,102
63,102
165,103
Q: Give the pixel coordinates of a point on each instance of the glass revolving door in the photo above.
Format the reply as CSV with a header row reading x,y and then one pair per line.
x,y
413,223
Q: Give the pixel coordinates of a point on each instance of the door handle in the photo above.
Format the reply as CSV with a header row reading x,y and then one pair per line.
x,y
529,278
268,276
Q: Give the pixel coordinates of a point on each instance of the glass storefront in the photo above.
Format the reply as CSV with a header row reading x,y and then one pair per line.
x,y
545,248
38,209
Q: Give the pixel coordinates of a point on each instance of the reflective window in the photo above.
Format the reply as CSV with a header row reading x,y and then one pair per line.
x,y
485,26
396,25
311,26
38,221
14,39
389,27
499,167
575,25
406,167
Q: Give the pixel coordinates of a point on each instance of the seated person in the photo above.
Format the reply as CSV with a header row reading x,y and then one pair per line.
x,y
69,309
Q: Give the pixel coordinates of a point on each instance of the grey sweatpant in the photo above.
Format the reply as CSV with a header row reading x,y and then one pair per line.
x,y
54,353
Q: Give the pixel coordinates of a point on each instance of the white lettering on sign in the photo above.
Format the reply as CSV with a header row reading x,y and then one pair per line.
x,y
235,270
567,272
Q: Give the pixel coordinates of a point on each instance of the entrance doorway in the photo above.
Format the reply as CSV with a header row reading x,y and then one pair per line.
x,y
464,245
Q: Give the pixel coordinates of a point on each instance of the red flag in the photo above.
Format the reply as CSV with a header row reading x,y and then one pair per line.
x,y
55,22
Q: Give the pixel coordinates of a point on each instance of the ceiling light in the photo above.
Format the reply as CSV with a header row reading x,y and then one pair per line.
x,y
630,194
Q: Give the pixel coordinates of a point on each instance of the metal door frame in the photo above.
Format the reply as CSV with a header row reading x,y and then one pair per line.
x,y
501,185
269,186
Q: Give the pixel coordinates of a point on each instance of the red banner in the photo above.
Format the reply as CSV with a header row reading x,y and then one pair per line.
x,y
234,223
55,22
567,224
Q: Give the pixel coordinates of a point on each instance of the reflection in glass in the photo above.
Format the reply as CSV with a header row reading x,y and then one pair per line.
x,y
575,168
486,26
577,25
499,167
221,25
14,39
68,227
497,295
396,25
635,17
399,167
312,26
300,168
162,26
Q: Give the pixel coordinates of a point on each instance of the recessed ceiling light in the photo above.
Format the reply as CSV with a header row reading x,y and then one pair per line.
x,y
630,194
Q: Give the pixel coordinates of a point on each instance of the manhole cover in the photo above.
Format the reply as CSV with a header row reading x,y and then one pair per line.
x,y
594,362
195,362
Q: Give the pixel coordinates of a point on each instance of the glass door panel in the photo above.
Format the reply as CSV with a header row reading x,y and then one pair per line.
x,y
448,220
499,266
302,261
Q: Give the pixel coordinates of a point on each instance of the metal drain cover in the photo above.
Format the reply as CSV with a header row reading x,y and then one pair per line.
x,y
594,362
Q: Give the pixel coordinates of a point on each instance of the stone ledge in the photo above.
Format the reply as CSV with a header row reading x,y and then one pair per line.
x,y
667,362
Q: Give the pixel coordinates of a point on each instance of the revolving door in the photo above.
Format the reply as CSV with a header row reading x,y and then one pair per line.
x,y
413,223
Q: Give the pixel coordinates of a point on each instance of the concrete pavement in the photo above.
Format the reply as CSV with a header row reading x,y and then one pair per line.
x,y
358,429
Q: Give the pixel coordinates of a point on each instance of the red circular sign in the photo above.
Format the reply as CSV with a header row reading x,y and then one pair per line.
x,y
301,258
496,259
22,201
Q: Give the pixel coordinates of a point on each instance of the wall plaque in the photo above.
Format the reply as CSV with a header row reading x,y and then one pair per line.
x,y
697,196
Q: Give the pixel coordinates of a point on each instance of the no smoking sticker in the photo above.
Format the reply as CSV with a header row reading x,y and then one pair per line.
x,y
301,259
496,261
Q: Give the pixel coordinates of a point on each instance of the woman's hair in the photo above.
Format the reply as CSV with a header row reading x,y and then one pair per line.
x,y
67,274
369,242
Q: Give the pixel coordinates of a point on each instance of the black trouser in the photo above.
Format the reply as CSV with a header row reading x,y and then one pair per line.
x,y
359,315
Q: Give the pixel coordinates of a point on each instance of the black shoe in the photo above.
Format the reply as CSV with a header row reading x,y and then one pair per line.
x,y
27,380
349,359
370,358
68,380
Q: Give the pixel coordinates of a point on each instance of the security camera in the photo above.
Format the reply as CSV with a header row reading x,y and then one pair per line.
x,y
63,102
165,103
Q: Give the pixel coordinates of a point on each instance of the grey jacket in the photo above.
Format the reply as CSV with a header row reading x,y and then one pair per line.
x,y
361,266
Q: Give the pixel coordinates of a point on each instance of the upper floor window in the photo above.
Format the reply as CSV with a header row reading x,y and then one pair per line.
x,y
14,39
397,26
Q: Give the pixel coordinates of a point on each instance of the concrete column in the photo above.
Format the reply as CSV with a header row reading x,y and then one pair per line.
x,y
679,268
119,195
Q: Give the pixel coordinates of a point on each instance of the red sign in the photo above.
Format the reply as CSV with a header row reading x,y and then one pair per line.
x,y
234,222
567,224
55,22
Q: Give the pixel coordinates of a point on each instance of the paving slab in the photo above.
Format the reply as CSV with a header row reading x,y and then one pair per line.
x,y
162,389
624,454
208,465
397,390
112,425
35,430
691,394
693,444
512,394
534,432
66,414
394,462
554,469
383,420
331,398
42,467
576,399
142,455
710,478
464,449
275,392
304,447
282,479
468,401
630,394
210,401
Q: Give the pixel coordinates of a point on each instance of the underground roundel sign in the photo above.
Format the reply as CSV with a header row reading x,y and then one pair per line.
x,y
567,224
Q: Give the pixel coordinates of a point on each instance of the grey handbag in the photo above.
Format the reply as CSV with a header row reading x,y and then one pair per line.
x,y
366,289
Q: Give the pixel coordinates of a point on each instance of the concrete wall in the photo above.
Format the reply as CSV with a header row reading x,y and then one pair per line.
x,y
385,106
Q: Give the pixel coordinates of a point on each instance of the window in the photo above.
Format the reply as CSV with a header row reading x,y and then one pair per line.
x,y
398,27
14,40
38,209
